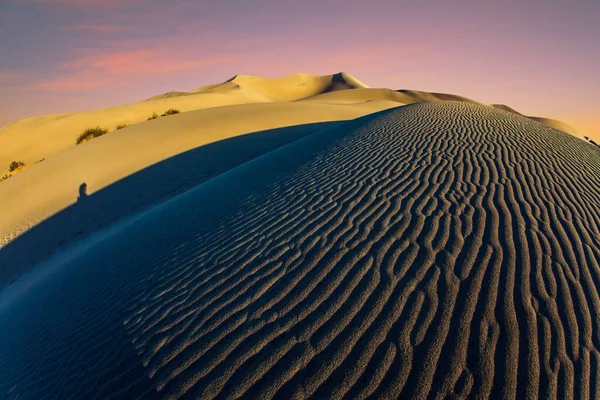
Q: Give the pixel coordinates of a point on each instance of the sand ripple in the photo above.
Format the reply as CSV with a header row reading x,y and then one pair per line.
x,y
434,250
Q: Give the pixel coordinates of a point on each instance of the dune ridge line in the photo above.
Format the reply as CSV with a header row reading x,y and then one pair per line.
x,y
432,250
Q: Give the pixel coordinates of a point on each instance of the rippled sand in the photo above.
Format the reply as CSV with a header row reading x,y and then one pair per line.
x,y
432,250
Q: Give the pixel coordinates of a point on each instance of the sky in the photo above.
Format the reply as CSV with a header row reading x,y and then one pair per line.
x,y
540,57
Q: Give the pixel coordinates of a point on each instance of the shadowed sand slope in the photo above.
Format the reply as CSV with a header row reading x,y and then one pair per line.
x,y
432,250
91,209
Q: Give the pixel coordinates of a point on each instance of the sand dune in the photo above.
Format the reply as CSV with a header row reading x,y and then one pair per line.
x,y
35,138
370,94
561,126
298,86
42,190
440,249
32,139
506,108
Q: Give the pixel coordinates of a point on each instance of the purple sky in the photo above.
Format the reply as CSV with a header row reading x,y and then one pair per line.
x,y
540,57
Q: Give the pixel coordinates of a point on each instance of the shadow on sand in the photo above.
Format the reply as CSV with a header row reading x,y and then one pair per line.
x,y
139,191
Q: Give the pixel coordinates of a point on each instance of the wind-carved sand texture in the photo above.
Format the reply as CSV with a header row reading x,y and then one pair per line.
x,y
432,250
150,161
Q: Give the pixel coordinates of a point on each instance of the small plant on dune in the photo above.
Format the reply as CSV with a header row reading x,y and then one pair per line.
x,y
153,116
91,133
16,166
171,111
121,126
39,161
13,168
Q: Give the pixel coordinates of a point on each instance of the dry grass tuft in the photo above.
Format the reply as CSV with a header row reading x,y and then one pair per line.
x,y
91,133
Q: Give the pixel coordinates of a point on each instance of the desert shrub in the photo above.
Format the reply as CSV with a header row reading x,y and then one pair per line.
x,y
5,177
91,133
39,161
153,116
121,126
171,111
16,166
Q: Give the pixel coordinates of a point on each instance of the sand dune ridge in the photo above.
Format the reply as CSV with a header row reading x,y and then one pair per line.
x,y
433,250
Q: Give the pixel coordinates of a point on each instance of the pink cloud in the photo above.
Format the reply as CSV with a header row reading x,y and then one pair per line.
x,y
113,68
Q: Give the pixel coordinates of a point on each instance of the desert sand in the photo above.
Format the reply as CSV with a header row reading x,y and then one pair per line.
x,y
292,246
35,138
242,105
255,104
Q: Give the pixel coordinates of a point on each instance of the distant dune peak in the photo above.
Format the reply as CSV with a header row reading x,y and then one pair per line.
x,y
338,78
297,86
344,77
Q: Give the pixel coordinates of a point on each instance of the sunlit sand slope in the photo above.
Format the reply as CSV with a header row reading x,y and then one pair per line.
x,y
552,123
434,250
142,165
32,139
